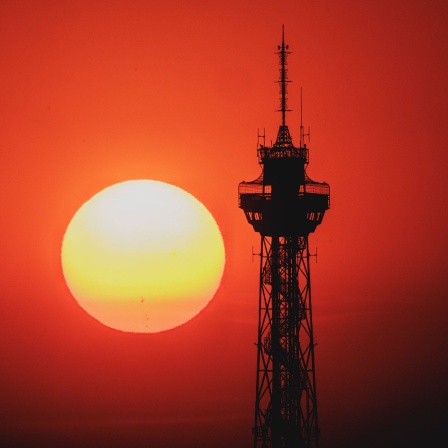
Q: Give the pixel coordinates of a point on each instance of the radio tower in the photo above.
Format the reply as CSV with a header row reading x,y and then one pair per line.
x,y
284,205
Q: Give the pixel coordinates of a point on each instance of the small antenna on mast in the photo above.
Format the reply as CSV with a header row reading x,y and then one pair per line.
x,y
302,132
263,136
301,120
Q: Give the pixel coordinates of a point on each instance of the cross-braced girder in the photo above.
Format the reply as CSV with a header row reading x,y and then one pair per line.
x,y
285,408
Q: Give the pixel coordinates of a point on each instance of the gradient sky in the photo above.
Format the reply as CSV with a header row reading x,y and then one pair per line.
x,y
97,92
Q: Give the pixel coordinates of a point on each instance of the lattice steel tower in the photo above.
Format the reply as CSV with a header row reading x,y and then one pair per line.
x,y
284,205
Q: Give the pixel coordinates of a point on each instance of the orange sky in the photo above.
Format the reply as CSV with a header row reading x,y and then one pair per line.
x,y
97,92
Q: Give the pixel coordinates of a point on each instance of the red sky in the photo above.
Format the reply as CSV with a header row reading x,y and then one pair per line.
x,y
97,92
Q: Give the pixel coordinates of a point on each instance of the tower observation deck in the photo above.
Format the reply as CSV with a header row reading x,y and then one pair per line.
x,y
284,205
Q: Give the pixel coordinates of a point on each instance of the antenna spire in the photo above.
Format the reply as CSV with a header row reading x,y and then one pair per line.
x,y
283,81
301,121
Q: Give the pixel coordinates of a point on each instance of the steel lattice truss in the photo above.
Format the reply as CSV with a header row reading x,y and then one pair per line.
x,y
285,411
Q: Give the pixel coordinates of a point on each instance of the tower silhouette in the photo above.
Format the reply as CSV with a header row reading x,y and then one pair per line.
x,y
284,205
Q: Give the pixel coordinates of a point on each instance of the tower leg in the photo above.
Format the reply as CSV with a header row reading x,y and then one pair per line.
x,y
285,405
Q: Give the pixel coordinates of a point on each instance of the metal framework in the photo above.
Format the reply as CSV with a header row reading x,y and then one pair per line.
x,y
285,408
284,205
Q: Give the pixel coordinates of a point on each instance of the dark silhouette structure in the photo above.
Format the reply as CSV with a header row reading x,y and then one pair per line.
x,y
284,205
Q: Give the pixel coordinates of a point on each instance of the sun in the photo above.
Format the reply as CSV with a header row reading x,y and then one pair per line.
x,y
143,256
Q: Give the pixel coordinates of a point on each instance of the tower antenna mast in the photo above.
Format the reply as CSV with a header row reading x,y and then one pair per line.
x,y
283,81
284,206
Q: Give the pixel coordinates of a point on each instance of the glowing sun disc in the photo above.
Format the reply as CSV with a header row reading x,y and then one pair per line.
x,y
143,256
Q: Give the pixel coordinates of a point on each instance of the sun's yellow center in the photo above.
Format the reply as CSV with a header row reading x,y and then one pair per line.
x,y
143,256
